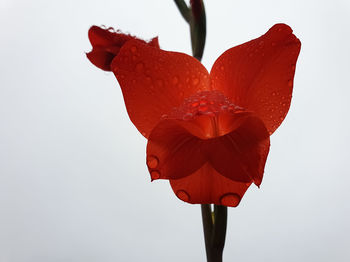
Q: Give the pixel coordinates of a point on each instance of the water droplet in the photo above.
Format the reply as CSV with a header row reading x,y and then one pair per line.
x,y
143,133
230,199
133,49
187,116
139,67
155,174
195,104
159,83
152,161
203,103
175,80
165,116
209,113
183,195
290,83
203,108
224,107
273,93
195,81
222,67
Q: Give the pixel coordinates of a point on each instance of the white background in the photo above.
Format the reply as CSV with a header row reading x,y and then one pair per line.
x,y
73,180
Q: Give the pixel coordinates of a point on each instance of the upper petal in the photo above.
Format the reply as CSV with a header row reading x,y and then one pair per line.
x,y
154,81
258,75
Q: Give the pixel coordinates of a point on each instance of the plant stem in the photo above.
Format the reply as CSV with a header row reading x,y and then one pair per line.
x,y
214,227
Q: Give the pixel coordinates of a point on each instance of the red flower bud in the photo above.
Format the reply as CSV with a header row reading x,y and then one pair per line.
x,y
106,44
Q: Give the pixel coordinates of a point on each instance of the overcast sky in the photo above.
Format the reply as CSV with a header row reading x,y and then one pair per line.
x,y
73,180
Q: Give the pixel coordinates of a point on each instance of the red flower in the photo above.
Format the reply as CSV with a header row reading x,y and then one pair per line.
x,y
208,134
106,44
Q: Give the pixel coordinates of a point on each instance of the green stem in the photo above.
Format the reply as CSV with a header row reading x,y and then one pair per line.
x,y
184,10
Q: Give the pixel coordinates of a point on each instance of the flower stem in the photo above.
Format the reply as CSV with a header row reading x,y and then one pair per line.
x,y
214,226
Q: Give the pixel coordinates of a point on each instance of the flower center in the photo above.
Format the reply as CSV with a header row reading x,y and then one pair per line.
x,y
208,110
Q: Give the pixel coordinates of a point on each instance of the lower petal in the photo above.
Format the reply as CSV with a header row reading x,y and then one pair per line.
x,y
207,186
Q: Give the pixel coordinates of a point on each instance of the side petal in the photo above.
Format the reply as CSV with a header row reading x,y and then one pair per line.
x,y
173,152
154,81
258,75
207,186
241,154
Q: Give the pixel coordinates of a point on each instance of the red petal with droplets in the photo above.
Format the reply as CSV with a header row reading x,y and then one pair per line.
x,y
258,75
207,186
154,81
173,152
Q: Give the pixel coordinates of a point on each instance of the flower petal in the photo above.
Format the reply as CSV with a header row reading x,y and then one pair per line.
x,y
207,186
241,154
173,152
101,58
258,75
154,81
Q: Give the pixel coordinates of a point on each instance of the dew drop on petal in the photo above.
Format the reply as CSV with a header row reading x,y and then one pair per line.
x,y
203,103
139,67
187,116
290,83
133,49
155,174
230,199
159,83
195,81
152,161
195,104
183,195
209,113
175,80
203,108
